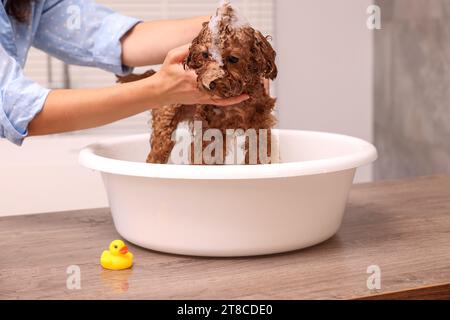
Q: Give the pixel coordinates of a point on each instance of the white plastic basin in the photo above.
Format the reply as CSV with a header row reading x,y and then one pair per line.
x,y
230,211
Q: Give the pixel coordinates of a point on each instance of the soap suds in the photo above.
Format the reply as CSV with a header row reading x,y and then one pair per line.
x,y
229,15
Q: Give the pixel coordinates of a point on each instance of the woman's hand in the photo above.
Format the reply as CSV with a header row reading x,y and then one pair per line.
x,y
179,86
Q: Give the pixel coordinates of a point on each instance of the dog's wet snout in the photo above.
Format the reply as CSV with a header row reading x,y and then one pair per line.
x,y
210,85
211,76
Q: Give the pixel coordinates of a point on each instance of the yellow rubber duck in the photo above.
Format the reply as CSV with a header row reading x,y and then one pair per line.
x,y
118,257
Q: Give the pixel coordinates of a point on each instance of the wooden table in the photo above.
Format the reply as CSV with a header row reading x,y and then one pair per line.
x,y
401,226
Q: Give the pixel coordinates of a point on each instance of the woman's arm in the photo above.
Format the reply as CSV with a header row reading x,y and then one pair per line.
x,y
77,109
149,42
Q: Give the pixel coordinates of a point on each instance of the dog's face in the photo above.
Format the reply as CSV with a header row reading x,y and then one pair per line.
x,y
231,59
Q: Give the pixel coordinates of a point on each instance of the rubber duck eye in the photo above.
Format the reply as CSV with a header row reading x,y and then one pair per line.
x,y
233,59
205,54
115,247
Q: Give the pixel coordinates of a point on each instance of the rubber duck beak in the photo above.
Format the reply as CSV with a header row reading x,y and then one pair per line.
x,y
124,250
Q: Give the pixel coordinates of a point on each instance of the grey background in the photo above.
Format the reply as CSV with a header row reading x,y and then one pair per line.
x,y
412,88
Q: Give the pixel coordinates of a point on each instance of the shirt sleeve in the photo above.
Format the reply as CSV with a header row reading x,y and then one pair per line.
x,y
20,99
83,32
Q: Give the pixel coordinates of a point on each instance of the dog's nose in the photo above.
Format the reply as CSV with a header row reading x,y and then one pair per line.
x,y
212,85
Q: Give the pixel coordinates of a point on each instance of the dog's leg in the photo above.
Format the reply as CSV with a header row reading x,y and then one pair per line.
x,y
164,124
197,152
263,119
265,149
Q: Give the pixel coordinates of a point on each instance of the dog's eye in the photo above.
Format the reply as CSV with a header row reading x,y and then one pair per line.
x,y
233,59
205,54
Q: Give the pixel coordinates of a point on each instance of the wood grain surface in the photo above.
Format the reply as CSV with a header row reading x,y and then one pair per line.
x,y
401,226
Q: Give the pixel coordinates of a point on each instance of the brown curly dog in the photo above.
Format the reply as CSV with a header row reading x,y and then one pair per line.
x,y
230,58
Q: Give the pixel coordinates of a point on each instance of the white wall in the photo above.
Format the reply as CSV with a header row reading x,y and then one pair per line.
x,y
325,61
44,176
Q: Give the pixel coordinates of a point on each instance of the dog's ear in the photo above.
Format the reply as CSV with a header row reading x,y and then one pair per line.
x,y
187,61
190,62
265,56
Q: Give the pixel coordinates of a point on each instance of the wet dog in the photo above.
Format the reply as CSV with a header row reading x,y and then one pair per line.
x,y
230,58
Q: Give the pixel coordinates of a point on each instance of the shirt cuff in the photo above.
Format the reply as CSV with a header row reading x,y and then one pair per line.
x,y
24,107
108,47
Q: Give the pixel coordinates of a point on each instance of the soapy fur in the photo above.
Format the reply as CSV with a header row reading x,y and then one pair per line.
x,y
230,58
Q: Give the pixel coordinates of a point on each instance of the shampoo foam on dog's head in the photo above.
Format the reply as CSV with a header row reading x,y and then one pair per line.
x,y
227,14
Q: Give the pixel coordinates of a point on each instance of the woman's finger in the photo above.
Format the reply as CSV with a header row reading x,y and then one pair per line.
x,y
192,75
218,101
178,55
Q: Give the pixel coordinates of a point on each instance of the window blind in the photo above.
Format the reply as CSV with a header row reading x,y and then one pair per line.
x,y
260,13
